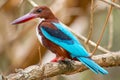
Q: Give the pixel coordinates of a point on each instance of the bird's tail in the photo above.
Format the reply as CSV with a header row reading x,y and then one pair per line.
x,y
92,65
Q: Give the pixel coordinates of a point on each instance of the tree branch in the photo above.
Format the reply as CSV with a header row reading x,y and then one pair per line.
x,y
67,67
111,3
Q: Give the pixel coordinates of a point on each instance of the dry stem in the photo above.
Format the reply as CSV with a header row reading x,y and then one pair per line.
x,y
103,30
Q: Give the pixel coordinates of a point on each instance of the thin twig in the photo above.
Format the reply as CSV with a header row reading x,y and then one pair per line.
x,y
110,40
91,21
80,37
32,2
103,30
91,26
111,3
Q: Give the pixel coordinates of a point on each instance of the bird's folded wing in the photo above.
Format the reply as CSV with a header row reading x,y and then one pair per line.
x,y
64,38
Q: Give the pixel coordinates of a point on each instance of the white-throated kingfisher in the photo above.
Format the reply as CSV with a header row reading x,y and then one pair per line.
x,y
55,37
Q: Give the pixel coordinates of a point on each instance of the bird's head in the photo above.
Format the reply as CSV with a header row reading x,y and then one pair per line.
x,y
37,12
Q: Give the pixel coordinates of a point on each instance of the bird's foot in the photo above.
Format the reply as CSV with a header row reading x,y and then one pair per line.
x,y
66,61
57,59
69,65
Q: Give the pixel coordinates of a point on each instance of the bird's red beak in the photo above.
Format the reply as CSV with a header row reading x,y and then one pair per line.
x,y
24,18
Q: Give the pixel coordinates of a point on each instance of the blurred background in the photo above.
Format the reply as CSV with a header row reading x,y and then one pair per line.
x,y
20,48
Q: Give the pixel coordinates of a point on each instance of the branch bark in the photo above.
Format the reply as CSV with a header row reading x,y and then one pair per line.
x,y
39,72
111,3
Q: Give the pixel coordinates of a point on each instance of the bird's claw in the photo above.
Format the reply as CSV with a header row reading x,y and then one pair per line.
x,y
57,59
68,62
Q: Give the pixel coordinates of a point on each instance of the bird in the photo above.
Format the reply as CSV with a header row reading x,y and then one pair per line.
x,y
57,38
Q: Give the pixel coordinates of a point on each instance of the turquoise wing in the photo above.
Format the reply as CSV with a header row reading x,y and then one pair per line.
x,y
65,39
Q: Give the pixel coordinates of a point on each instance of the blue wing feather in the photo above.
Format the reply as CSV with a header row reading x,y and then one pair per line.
x,y
75,49
58,34
66,31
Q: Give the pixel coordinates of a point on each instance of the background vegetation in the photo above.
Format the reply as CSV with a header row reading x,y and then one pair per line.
x,y
19,47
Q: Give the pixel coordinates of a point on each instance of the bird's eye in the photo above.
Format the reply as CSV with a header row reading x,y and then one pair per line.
x,y
39,10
